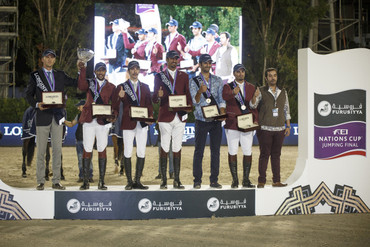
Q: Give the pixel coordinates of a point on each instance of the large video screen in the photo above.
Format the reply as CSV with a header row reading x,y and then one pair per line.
x,y
145,32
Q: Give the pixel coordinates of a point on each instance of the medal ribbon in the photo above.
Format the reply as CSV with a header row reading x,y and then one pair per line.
x,y
209,85
174,81
137,96
96,93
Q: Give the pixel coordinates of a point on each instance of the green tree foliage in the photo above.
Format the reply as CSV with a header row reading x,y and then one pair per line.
x,y
59,25
226,18
275,27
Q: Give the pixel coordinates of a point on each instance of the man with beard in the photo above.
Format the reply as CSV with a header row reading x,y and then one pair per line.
x,y
133,93
237,95
205,90
171,123
273,113
99,91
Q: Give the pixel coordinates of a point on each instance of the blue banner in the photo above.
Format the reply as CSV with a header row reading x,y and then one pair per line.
x,y
12,133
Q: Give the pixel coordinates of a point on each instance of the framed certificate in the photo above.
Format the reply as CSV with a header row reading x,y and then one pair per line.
x,y
140,113
178,103
52,99
212,112
245,123
102,110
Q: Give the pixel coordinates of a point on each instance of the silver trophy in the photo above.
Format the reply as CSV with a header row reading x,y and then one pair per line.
x,y
85,55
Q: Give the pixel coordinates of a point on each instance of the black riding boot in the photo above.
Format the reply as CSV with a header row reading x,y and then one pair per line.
x,y
163,161
85,173
122,169
127,162
234,170
176,168
102,168
139,171
247,164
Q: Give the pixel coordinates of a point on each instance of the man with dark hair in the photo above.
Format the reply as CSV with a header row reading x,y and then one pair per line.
x,y
171,123
174,39
133,93
138,51
99,91
205,90
237,95
227,57
48,120
274,112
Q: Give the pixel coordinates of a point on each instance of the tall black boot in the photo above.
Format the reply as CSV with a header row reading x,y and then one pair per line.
x,y
234,170
176,168
127,162
247,164
163,161
139,171
121,171
102,168
47,161
85,173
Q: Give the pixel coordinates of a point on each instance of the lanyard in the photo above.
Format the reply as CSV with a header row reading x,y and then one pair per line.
x,y
209,84
133,90
50,79
174,81
97,94
241,98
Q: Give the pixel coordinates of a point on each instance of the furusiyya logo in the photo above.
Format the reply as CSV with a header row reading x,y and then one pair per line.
x,y
145,206
74,206
324,108
214,204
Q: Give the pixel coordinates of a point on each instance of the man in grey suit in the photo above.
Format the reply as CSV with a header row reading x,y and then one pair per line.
x,y
49,121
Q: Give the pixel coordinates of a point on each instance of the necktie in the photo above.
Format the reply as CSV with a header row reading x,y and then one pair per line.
x,y
51,82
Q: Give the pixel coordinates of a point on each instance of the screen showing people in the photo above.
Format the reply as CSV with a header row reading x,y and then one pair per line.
x,y
146,32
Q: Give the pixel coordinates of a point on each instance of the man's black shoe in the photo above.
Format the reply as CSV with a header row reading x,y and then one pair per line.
x,y
40,186
197,186
216,185
58,186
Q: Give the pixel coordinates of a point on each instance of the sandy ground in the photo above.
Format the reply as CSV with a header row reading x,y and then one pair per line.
x,y
302,230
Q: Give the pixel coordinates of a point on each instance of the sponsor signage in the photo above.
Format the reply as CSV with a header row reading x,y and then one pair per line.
x,y
340,124
13,131
153,204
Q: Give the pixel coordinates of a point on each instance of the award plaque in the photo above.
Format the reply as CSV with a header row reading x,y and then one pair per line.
x,y
245,123
212,112
178,103
52,99
102,111
140,113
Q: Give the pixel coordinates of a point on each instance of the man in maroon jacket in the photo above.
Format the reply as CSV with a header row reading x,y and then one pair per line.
x,y
133,93
171,123
237,95
174,39
98,91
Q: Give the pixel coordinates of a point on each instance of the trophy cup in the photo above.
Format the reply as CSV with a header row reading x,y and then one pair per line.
x,y
85,55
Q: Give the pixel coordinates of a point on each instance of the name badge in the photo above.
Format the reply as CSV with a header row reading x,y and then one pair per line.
x,y
275,112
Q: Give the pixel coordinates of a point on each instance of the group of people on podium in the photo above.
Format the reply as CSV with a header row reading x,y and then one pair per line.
x,y
267,106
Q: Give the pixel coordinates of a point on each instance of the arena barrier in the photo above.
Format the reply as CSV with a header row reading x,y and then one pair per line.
x,y
331,173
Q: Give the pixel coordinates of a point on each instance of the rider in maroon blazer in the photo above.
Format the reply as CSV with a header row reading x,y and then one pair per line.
x,y
237,95
129,96
98,91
